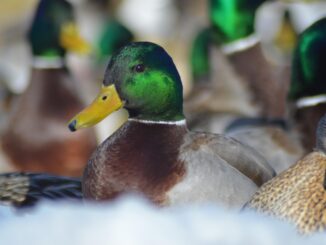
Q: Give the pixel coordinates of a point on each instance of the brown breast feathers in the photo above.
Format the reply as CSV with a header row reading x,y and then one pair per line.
x,y
139,157
37,137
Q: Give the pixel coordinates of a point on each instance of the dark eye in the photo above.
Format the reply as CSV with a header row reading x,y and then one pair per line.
x,y
139,68
104,97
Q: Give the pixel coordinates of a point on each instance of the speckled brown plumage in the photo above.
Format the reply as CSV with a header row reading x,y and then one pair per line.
x,y
139,158
297,195
13,189
37,138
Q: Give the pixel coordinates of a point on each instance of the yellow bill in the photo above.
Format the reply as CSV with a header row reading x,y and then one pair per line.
x,y
105,103
286,37
71,40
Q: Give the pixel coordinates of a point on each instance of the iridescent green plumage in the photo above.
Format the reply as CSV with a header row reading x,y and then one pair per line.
x,y
233,19
114,36
230,20
200,54
308,69
153,92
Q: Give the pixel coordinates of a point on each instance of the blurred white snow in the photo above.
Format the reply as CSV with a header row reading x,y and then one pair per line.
x,y
132,220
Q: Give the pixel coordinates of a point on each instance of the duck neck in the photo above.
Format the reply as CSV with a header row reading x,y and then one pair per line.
x,y
181,122
50,90
264,83
239,45
174,114
155,136
306,119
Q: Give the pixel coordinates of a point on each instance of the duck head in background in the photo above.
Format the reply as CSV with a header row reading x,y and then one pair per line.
x,y
231,74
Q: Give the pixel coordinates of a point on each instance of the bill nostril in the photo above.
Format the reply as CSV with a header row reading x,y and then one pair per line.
x,y
72,126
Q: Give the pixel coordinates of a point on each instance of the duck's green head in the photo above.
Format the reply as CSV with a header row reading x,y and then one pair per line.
x,y
53,30
233,19
142,78
309,63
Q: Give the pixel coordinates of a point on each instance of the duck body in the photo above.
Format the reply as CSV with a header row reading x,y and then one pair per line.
x,y
171,165
275,140
36,138
263,79
297,195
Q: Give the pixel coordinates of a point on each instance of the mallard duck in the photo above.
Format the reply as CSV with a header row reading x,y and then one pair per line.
x,y
307,94
308,90
298,194
36,138
153,152
23,190
225,104
251,88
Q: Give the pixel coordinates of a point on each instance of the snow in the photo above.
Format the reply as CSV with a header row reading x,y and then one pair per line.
x,y
132,220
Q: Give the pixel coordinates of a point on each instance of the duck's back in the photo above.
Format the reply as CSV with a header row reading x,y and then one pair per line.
x,y
37,138
219,169
280,147
297,195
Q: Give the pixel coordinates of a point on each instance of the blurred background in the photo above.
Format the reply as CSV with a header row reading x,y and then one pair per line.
x,y
170,23
108,24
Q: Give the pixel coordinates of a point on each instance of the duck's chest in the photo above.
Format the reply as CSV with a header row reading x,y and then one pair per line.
x,y
137,158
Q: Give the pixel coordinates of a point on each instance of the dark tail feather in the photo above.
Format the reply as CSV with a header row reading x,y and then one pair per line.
x,y
27,189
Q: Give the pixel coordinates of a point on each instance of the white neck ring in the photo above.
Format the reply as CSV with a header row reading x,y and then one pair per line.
x,y
178,123
240,45
40,62
311,101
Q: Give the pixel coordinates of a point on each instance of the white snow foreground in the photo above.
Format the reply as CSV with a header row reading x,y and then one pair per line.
x,y
132,220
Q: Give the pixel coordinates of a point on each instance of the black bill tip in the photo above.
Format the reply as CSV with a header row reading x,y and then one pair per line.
x,y
72,126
